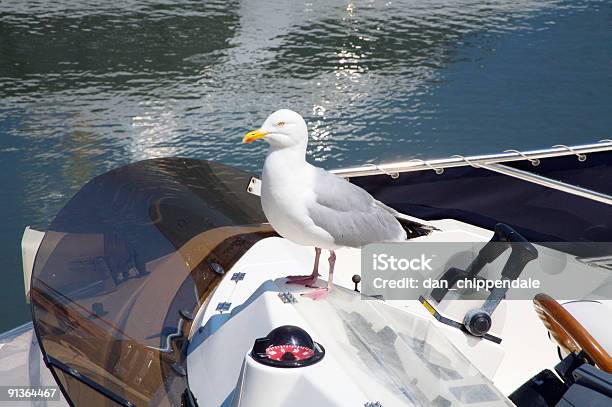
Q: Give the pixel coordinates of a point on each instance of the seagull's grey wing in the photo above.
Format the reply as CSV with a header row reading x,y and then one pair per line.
x,y
351,215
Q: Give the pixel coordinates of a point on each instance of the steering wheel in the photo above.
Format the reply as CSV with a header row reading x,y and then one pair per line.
x,y
568,332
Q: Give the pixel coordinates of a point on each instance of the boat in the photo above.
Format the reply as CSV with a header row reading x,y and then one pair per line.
x,y
160,283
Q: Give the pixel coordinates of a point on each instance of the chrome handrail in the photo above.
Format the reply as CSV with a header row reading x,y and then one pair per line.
x,y
549,182
460,161
493,162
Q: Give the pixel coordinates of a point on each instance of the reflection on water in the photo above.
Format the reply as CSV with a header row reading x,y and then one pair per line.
x,y
86,86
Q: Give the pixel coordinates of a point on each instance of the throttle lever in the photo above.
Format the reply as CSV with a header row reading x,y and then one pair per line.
x,y
499,242
478,321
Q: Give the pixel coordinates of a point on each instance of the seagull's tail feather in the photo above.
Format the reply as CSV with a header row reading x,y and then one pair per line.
x,y
414,229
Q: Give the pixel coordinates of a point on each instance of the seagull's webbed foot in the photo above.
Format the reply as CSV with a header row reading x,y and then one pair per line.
x,y
303,280
308,281
317,294
322,292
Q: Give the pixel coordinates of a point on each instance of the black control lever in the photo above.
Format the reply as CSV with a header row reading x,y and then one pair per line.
x,y
502,237
478,321
494,248
522,253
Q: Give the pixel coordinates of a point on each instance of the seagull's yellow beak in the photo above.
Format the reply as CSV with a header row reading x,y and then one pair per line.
x,y
254,135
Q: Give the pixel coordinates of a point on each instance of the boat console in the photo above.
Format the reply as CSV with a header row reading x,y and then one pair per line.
x,y
369,351
160,283
478,321
346,324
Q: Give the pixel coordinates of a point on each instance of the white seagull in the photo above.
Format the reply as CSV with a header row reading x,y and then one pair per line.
x,y
309,206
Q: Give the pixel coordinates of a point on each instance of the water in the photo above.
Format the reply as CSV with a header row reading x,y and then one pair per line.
x,y
86,86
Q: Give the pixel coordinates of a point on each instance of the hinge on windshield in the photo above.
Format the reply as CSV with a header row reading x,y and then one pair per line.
x,y
254,186
223,306
238,276
287,298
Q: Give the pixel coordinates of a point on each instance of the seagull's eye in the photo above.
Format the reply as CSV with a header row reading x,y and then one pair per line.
x,y
280,124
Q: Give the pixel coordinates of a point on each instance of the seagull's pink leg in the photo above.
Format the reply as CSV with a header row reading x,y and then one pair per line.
x,y
311,279
322,292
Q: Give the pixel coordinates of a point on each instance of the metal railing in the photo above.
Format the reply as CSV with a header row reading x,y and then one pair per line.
x,y
438,165
493,162
549,182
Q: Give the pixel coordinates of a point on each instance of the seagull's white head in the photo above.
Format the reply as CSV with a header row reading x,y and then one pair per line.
x,y
282,129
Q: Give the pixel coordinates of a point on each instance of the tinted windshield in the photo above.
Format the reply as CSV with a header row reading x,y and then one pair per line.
x,y
125,265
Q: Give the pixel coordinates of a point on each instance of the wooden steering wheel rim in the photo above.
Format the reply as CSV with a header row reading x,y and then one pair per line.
x,y
568,332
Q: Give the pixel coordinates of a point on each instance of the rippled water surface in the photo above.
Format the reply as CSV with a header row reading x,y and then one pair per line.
x,y
86,86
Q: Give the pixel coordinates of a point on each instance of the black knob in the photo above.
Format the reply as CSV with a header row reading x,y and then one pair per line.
x,y
356,279
477,322
288,356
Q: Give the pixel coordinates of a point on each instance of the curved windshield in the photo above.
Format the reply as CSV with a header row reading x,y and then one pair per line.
x,y
124,267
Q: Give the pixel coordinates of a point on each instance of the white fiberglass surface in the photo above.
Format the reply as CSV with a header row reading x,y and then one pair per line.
x,y
397,356
21,364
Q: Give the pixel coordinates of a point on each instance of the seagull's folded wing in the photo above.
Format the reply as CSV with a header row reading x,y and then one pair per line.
x,y
350,214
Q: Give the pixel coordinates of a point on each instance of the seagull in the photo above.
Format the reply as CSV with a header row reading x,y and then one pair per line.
x,y
312,207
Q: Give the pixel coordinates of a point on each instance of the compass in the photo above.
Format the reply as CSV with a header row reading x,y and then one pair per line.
x,y
287,346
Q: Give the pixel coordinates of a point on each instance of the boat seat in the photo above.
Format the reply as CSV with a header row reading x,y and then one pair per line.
x,y
595,317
